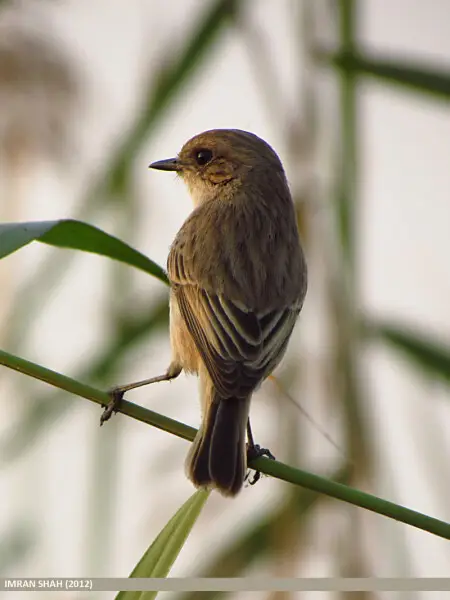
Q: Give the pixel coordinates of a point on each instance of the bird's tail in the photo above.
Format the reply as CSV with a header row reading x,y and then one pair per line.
x,y
218,456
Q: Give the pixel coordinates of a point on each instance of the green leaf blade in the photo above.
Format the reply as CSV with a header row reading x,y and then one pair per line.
x,y
423,78
424,352
162,553
76,235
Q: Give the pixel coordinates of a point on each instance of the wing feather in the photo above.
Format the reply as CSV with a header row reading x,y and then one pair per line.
x,y
240,345
235,366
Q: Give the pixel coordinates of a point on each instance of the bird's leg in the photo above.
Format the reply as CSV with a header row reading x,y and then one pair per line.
x,y
254,451
116,394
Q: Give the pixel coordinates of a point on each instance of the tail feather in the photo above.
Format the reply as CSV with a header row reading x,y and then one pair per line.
x,y
218,454
197,463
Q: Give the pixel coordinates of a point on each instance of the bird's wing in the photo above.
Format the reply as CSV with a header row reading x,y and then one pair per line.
x,y
238,346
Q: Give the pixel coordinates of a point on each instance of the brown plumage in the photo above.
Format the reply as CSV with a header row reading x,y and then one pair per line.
x,y
238,280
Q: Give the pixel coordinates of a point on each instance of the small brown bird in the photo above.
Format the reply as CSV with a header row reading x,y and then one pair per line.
x,y
238,280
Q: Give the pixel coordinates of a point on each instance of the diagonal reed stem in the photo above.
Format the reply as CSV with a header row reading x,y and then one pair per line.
x,y
262,464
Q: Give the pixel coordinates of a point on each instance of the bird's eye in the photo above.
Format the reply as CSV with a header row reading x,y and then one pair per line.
x,y
202,157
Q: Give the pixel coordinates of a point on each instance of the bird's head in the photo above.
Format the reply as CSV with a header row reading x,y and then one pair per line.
x,y
214,164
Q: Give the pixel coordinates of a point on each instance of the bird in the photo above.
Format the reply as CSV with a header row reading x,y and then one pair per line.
x,y
238,279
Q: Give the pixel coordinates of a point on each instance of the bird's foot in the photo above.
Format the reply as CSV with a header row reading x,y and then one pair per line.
x,y
255,451
113,405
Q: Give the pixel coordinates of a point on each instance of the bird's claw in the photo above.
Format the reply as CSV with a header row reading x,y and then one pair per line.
x,y
255,451
112,406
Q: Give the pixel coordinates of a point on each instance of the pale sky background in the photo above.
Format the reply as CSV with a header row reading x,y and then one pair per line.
x,y
404,242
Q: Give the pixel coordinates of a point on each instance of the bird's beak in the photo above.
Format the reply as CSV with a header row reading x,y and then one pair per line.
x,y
167,164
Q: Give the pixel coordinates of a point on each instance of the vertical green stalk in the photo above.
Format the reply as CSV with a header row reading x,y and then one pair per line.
x,y
348,160
102,484
347,300
104,476
344,286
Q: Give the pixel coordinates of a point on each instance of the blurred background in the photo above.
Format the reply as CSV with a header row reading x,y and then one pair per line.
x,y
354,96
